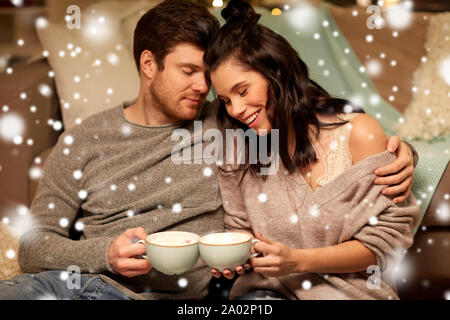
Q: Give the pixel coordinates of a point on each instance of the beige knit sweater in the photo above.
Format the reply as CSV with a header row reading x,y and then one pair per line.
x,y
350,206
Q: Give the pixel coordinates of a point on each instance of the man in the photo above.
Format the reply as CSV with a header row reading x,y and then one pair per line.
x,y
113,178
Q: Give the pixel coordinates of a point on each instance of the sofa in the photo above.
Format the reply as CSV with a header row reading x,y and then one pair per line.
x,y
427,262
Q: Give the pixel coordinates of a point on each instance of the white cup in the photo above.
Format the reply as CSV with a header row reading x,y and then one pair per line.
x,y
172,252
226,250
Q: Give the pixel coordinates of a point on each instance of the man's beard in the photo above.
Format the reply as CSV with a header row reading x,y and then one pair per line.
x,y
160,102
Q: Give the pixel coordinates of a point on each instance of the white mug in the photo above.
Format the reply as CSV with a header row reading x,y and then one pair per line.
x,y
172,252
226,250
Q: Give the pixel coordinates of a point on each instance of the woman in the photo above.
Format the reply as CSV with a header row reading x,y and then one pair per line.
x,y
329,232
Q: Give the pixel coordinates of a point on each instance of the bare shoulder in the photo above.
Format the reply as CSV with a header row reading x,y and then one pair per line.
x,y
367,138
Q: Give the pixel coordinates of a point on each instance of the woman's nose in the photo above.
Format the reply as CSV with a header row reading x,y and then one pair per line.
x,y
237,110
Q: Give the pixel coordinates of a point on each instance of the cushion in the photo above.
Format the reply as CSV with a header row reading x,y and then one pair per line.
x,y
94,68
428,114
9,248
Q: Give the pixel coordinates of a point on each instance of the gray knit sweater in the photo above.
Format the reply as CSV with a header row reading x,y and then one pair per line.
x,y
350,206
107,175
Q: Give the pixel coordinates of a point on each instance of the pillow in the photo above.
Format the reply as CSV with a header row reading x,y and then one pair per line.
x,y
428,114
9,252
93,67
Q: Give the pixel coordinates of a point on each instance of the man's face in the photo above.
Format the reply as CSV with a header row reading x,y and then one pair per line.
x,y
180,89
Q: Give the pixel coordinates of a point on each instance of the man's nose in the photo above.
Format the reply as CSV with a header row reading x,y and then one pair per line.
x,y
201,86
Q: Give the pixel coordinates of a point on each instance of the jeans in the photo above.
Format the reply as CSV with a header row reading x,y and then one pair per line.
x,y
49,285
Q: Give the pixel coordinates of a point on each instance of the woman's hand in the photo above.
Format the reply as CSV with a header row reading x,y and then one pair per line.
x,y
399,174
227,273
278,260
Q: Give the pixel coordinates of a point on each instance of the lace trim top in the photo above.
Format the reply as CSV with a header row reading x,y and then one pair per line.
x,y
338,157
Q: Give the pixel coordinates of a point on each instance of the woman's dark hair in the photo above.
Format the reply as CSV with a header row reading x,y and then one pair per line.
x,y
169,24
292,95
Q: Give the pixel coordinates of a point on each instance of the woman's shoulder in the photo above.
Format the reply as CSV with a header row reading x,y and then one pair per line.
x,y
367,137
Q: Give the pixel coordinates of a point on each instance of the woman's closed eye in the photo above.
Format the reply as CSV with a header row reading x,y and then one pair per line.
x,y
243,93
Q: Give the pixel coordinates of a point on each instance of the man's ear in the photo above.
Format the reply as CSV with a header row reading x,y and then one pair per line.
x,y
148,64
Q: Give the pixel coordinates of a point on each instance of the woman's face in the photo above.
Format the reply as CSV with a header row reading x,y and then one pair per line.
x,y
244,93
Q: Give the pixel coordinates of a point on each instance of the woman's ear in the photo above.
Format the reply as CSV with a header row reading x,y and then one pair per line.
x,y
148,64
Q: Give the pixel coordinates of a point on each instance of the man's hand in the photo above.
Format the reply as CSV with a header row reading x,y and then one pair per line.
x,y
122,252
398,175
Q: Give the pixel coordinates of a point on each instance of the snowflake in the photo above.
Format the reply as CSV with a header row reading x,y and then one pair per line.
x,y
262,197
68,140
64,222
82,194
306,285
64,275
176,208
41,23
374,67
348,108
57,125
35,173
314,211
131,187
399,16
113,58
207,172
18,140
373,221
126,130
77,174
293,218
447,295
11,126
113,187
47,297
444,70
334,145
10,254
45,90
182,282
79,226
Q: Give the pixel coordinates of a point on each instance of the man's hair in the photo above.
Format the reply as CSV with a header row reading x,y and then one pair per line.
x,y
170,23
